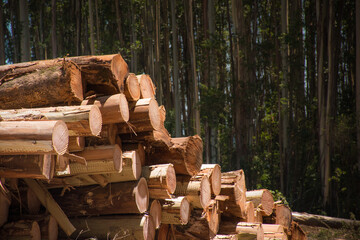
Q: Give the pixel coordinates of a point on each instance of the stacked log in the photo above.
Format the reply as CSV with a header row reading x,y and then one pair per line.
x,y
98,158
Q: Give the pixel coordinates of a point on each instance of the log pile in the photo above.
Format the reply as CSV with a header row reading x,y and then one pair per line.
x,y
85,154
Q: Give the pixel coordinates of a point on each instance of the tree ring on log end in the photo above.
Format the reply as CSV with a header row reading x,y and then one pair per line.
x,y
117,158
133,87
154,114
155,212
205,192
216,180
142,195
95,120
35,231
60,137
124,107
171,179
185,211
148,227
194,151
136,164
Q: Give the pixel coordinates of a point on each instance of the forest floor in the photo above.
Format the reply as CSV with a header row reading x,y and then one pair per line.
x,y
331,233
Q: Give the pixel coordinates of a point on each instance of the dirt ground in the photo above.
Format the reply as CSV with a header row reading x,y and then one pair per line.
x,y
330,233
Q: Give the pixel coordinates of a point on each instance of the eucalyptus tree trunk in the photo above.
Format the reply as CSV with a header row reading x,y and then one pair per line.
x,y
174,45
357,10
2,35
25,31
118,22
98,30
91,26
78,28
133,40
157,54
166,56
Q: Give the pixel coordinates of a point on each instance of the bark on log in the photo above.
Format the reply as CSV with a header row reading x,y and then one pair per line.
x,y
213,171
76,144
131,167
156,212
161,180
233,185
296,232
128,227
197,191
103,74
185,154
176,211
262,199
132,88
283,215
147,87
144,116
113,108
23,229
274,231
249,212
243,230
116,198
42,83
33,137
80,120
108,136
323,221
27,166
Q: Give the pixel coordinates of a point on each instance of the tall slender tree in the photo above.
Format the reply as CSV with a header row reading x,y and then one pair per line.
x,y
2,34
91,27
25,30
357,11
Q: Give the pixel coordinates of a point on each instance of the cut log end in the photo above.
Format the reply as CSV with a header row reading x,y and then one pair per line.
x,y
148,227
60,137
154,114
75,81
124,107
205,192
147,87
185,211
171,179
155,212
132,88
136,164
120,69
95,120
53,229
142,195
117,158
194,151
215,177
35,232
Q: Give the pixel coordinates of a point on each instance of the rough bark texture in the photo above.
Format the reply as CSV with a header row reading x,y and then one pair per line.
x,y
116,198
40,84
185,154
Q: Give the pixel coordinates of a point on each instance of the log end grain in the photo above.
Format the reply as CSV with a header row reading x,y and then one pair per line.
x,y
95,120
142,195
185,211
171,179
132,88
60,137
52,229
155,212
35,232
193,153
117,156
262,199
154,114
205,192
147,87
148,227
123,108
74,74
120,70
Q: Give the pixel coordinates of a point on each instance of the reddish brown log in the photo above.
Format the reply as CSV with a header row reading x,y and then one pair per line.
x,y
33,137
274,231
166,232
249,213
23,229
197,191
262,199
296,232
115,198
161,180
213,171
185,154
176,211
27,166
49,228
115,227
243,230
107,136
156,213
103,74
136,147
76,144
41,83
147,87
114,108
132,88
80,120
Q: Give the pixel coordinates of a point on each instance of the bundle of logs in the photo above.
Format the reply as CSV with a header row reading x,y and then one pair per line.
x,y
84,154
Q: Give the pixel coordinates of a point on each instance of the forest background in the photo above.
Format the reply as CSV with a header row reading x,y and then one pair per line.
x,y
272,86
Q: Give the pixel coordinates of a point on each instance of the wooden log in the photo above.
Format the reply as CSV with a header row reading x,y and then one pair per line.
x,y
323,221
80,120
76,144
33,137
258,215
129,227
176,211
147,87
283,215
197,191
213,171
274,231
226,237
113,108
185,154
233,185
249,212
161,180
42,83
116,198
132,88
49,228
23,229
162,113
296,232
27,166
144,116
262,199
157,138
243,230
136,147
5,201
33,202
214,215
156,213
49,203
166,232
108,136
103,74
